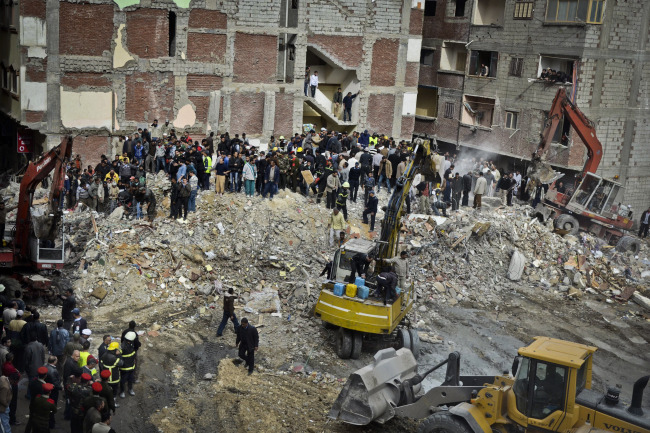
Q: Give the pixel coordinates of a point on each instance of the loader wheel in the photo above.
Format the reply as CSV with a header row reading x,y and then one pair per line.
x,y
415,342
443,422
629,243
344,343
403,339
357,343
569,223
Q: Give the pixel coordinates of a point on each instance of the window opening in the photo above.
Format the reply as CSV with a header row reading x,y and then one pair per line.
x,y
516,66
449,110
524,10
430,8
426,57
511,120
460,8
478,111
172,33
484,63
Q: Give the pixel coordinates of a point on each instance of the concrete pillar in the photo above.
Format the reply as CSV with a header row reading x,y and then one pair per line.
x,y
269,113
213,110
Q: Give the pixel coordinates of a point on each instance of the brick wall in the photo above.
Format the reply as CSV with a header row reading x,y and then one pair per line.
x,y
32,8
255,58
203,83
384,62
412,71
347,50
206,47
408,123
417,18
34,116
85,29
209,19
380,113
283,121
74,80
149,96
201,106
91,148
247,113
147,32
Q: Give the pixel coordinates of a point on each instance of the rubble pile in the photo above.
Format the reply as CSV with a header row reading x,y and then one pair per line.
x,y
479,257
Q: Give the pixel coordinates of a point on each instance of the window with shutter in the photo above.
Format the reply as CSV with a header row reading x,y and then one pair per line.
x,y
523,10
449,110
516,66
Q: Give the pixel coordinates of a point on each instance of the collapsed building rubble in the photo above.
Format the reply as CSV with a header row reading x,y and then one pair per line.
x,y
171,275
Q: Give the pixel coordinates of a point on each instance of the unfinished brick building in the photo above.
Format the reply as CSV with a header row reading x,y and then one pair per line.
x,y
602,45
99,69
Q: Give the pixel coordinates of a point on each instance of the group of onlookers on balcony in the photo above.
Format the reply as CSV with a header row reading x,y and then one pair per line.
x,y
554,76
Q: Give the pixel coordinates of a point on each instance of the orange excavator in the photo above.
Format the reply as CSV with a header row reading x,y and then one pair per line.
x,y
36,241
594,205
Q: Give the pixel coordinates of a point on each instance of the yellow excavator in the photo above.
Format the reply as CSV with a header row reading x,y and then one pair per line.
x,y
358,319
549,390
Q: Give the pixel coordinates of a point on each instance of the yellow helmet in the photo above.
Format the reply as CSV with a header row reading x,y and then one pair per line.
x,y
299,149
114,345
275,149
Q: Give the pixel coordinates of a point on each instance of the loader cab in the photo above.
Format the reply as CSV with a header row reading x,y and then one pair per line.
x,y
341,265
550,375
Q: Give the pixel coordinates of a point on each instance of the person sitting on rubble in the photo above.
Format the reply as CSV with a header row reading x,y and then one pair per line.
x,y
386,284
440,205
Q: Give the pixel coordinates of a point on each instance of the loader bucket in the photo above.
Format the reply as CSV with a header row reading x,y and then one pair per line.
x,y
543,172
372,392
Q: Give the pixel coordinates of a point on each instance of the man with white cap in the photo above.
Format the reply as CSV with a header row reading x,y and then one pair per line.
x,y
85,336
128,363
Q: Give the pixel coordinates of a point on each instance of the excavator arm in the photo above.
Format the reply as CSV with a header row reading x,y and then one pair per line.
x,y
563,108
390,228
53,160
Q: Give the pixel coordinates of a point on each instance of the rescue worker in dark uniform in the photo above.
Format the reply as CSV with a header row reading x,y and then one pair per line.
x,y
107,390
112,362
359,263
342,199
248,340
77,393
41,409
128,364
386,283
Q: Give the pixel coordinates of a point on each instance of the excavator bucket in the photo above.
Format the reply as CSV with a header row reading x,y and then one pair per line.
x,y
372,392
542,172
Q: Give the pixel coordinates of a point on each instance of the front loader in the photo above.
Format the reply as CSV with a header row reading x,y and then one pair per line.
x,y
549,392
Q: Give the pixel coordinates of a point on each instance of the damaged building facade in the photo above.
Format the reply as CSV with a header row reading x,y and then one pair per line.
x,y
601,46
100,69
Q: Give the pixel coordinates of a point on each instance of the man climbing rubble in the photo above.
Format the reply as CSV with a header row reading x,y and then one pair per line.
x,y
228,312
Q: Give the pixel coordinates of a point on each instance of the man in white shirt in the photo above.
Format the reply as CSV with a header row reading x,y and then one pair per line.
x,y
313,83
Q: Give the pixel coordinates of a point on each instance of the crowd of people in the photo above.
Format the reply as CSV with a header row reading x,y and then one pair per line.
x,y
553,76
57,363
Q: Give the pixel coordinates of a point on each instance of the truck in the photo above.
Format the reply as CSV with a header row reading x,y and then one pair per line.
x,y
594,204
358,319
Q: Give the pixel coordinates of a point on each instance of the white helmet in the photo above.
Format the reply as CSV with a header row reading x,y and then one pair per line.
x,y
130,336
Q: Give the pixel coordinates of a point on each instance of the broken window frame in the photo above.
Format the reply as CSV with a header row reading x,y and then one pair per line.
x,y
516,66
523,10
563,129
472,106
427,53
511,120
450,107
474,63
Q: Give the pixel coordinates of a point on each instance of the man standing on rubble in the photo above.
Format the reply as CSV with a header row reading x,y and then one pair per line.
x,y
371,209
401,268
335,226
69,304
248,341
145,195
228,312
479,190
644,223
467,188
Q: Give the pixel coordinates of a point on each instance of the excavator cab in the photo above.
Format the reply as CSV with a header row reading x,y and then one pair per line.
x,y
595,195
